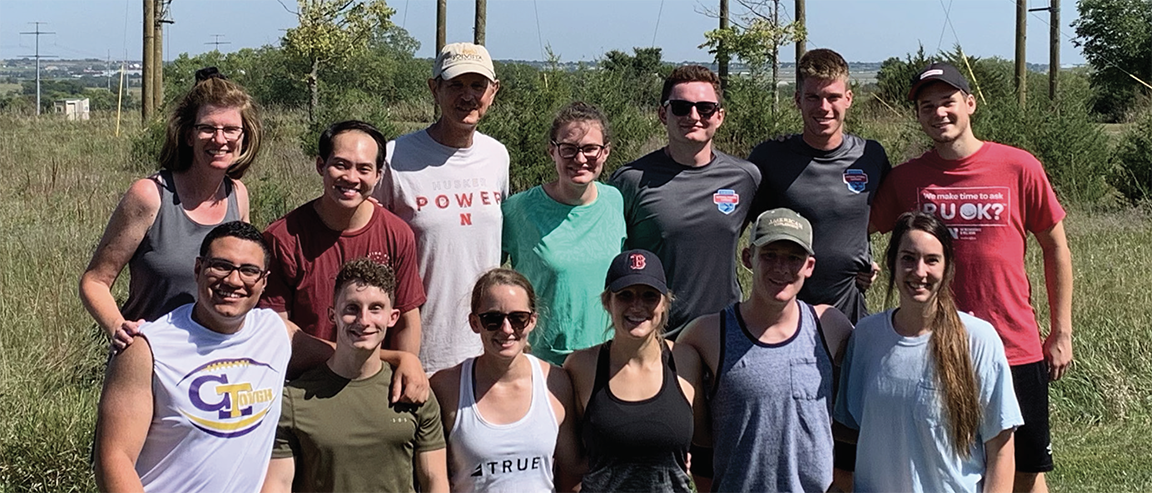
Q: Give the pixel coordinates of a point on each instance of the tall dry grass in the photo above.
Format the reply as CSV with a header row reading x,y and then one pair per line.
x,y
59,181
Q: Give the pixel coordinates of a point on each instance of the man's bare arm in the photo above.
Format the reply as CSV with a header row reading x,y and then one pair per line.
x,y
281,472
409,381
405,336
1058,280
432,471
123,416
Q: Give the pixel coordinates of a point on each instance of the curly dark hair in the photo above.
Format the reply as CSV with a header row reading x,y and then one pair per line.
x,y
366,272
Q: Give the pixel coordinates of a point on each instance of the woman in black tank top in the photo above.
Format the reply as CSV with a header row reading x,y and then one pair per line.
x,y
634,406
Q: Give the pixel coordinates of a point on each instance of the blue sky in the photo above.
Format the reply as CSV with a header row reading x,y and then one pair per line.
x,y
861,30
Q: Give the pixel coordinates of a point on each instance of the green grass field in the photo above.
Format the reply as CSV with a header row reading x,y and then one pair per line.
x,y
59,181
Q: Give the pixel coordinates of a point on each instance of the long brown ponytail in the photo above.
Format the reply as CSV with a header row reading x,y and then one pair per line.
x,y
949,340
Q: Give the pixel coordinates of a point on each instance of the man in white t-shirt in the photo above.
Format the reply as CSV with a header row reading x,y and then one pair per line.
x,y
447,182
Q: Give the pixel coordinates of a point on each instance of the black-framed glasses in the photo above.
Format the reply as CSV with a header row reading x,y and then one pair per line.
x,y
681,107
209,131
495,320
219,267
569,151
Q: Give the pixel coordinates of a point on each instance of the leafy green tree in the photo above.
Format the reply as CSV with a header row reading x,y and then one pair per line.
x,y
640,76
259,70
755,38
1133,174
895,77
1116,39
329,33
386,69
644,62
990,78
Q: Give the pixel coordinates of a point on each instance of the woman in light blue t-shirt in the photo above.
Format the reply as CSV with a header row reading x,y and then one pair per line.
x,y
562,235
928,387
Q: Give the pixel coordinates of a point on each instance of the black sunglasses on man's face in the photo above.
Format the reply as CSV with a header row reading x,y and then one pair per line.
x,y
681,107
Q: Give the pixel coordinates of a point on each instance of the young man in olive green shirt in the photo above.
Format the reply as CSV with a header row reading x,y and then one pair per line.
x,y
337,430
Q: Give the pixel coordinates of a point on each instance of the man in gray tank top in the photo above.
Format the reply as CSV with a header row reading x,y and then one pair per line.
x,y
772,361
829,177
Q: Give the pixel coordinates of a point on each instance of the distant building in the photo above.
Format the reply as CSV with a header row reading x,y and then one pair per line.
x,y
72,109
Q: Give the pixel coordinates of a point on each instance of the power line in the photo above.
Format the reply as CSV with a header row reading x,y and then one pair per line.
x,y
657,30
38,56
539,36
947,24
217,42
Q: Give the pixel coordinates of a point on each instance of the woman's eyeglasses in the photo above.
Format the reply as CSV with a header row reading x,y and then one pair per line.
x,y
569,151
209,131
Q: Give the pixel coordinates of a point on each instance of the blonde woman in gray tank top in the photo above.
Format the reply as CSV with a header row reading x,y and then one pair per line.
x,y
507,415
212,138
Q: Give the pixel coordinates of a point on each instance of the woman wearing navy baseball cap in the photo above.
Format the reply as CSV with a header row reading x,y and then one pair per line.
x,y
634,393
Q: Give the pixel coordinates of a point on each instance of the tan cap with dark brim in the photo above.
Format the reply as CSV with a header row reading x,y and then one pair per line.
x,y
463,58
782,224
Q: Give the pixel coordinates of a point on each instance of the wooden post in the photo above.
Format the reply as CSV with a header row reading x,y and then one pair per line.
x,y
1053,48
722,56
149,53
775,57
481,20
801,49
1021,51
158,60
441,23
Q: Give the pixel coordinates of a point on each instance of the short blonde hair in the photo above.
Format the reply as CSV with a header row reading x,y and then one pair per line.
x,y
822,64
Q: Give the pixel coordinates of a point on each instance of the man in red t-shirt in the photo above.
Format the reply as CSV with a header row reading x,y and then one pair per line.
x,y
991,196
310,243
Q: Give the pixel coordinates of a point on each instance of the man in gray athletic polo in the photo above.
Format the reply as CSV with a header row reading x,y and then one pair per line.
x,y
687,202
829,177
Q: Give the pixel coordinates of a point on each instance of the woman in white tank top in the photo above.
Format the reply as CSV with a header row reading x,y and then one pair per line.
x,y
506,413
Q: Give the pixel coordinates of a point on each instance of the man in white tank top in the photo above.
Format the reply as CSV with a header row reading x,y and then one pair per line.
x,y
192,405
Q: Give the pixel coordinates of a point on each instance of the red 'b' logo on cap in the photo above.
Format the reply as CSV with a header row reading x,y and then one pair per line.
x,y
637,261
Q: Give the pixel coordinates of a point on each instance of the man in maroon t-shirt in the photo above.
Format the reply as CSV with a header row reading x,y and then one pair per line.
x,y
991,196
310,243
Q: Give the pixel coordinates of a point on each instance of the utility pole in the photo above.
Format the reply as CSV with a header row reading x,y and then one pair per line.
x,y
1021,51
441,24
217,42
776,56
148,63
158,71
1053,9
481,20
721,53
1053,45
1053,48
800,24
38,56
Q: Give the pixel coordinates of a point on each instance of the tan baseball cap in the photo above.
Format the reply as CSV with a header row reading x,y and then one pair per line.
x,y
463,58
782,224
